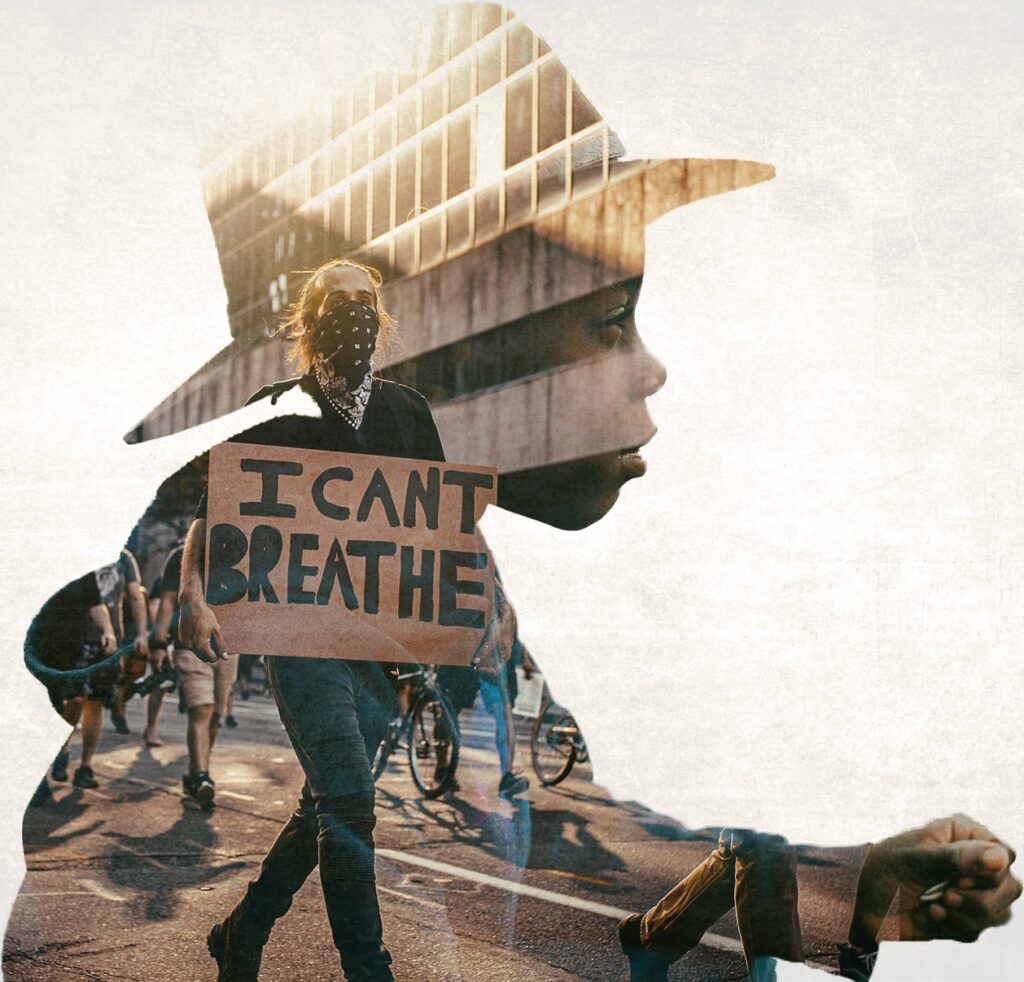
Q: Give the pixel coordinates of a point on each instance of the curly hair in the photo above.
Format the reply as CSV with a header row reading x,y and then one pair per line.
x,y
301,315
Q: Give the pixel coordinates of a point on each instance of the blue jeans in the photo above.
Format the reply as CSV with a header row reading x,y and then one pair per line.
x,y
494,694
335,713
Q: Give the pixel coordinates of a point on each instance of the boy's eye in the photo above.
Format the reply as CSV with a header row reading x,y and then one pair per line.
x,y
611,328
615,315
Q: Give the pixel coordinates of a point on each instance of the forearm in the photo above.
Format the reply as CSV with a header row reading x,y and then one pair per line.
x,y
100,617
164,614
137,603
192,561
197,627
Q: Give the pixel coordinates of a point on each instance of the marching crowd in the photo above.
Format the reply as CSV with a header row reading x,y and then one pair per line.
x,y
108,618
110,611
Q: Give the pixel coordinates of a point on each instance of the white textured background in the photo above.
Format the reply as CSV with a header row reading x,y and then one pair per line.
x,y
810,611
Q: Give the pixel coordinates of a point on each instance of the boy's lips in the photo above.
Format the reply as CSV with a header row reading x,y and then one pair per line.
x,y
631,464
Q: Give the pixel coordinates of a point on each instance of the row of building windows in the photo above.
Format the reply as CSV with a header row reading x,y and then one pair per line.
x,y
256,166
443,164
454,28
310,238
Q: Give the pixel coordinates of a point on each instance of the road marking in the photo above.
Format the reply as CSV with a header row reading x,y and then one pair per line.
x,y
237,794
710,939
92,889
140,855
57,893
597,881
510,885
409,896
92,792
206,850
91,886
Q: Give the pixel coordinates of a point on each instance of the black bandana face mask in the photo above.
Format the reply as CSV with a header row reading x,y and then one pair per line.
x,y
346,337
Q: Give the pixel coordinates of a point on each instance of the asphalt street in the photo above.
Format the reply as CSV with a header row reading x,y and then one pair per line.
x,y
124,882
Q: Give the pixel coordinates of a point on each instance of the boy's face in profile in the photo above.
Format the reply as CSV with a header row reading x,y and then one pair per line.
x,y
576,493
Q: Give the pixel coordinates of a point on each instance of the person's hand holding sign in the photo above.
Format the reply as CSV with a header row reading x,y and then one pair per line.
x,y
200,630
198,627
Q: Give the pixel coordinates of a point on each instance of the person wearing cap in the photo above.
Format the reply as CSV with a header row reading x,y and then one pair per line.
x,y
335,711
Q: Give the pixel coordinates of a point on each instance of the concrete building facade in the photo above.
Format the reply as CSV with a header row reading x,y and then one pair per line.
x,y
493,198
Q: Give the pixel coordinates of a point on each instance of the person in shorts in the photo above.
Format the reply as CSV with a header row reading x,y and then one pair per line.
x,y
134,663
160,665
205,688
75,630
125,598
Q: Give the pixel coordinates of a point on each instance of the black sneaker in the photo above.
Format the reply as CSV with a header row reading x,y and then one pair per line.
x,y
237,948
512,784
203,790
441,776
165,681
84,778
120,723
230,722
856,964
644,965
59,771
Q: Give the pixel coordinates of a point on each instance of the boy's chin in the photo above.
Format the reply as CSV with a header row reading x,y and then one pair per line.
x,y
573,494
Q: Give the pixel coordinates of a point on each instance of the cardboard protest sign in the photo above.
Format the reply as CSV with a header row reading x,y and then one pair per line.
x,y
333,555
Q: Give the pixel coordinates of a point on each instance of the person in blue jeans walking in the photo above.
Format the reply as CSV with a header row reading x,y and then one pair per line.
x,y
335,711
498,695
493,675
461,685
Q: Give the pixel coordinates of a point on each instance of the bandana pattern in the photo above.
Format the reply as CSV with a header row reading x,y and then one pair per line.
x,y
346,338
349,405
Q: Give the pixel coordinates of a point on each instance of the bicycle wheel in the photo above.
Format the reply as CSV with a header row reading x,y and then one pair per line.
x,y
553,744
433,744
388,745
582,753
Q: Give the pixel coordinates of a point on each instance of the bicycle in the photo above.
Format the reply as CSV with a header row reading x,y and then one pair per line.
x,y
428,732
556,743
